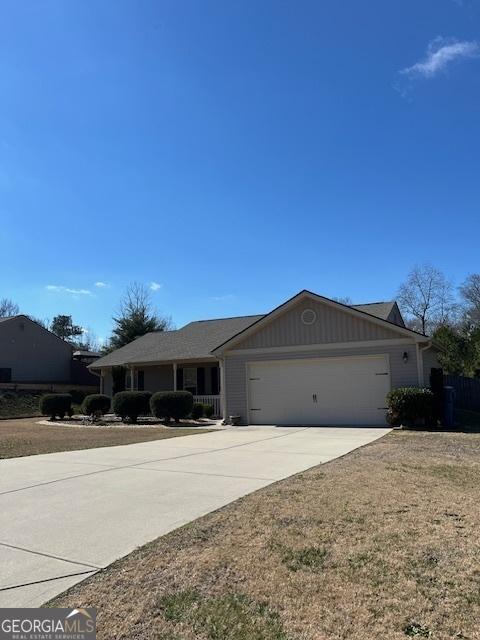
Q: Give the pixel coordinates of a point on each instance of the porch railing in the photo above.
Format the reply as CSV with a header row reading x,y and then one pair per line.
x,y
213,400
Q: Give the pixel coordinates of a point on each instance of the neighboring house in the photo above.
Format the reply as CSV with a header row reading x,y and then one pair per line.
x,y
85,356
309,361
30,355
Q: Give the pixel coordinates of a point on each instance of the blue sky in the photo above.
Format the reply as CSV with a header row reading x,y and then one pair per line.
x,y
234,152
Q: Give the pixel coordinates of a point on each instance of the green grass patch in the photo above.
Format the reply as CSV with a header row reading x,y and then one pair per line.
x,y
415,630
232,616
306,559
461,475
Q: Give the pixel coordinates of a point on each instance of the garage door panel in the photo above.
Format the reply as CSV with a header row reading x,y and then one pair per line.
x,y
322,391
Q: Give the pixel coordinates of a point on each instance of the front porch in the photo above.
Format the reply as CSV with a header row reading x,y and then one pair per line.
x,y
201,379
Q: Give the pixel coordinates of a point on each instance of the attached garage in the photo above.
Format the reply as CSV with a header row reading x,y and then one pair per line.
x,y
323,391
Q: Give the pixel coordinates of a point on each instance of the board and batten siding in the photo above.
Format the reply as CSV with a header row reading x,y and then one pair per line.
x,y
332,325
401,373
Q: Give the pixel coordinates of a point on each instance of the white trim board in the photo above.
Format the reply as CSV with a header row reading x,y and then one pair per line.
x,y
331,346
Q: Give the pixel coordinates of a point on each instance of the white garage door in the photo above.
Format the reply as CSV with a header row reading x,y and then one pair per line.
x,y
325,391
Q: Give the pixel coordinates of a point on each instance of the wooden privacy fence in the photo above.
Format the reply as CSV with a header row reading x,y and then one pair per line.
x,y
467,391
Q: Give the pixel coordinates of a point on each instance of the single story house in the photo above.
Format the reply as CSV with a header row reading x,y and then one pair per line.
x,y
32,357
310,361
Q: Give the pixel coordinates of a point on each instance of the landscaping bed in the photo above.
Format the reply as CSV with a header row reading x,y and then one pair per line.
x,y
26,437
382,543
114,422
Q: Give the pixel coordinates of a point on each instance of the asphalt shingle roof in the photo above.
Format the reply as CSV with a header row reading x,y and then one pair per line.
x,y
193,341
379,309
196,340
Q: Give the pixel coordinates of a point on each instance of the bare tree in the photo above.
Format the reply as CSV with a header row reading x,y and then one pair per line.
x,y
470,293
344,300
426,298
89,340
8,308
43,322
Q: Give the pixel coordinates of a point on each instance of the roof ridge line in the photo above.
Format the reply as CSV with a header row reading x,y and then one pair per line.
x,y
252,315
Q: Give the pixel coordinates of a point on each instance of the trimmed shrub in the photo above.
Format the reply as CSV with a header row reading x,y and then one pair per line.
x,y
131,404
197,410
78,396
55,404
410,406
96,405
208,410
171,404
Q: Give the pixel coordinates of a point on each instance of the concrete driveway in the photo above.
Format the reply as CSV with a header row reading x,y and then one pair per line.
x,y
66,515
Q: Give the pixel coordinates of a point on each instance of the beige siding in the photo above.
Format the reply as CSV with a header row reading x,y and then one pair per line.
x,y
33,353
332,325
402,374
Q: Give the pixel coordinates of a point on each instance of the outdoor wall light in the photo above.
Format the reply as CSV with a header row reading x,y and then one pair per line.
x,y
405,357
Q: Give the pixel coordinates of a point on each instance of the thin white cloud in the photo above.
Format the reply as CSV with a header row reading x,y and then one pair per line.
x,y
440,54
101,285
155,286
73,292
228,297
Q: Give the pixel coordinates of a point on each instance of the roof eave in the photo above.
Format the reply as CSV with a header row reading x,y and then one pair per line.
x,y
152,363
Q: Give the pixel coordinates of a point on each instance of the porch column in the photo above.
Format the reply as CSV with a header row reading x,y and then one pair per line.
x,y
174,376
102,381
223,403
132,378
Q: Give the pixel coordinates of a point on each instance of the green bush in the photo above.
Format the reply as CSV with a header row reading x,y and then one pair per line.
x,y
208,410
96,404
410,406
55,404
197,410
131,404
78,396
171,404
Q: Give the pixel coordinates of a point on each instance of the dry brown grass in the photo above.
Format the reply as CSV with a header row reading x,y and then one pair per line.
x,y
24,437
381,544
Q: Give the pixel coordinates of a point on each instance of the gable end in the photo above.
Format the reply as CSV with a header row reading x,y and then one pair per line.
x,y
311,321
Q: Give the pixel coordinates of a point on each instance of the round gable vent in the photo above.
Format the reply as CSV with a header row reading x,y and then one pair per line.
x,y
308,316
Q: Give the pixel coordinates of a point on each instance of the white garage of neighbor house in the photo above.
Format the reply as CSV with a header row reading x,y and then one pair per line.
x,y
310,361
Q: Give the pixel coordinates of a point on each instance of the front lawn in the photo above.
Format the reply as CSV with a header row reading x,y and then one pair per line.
x,y
26,437
380,544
